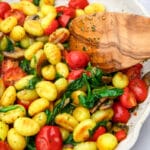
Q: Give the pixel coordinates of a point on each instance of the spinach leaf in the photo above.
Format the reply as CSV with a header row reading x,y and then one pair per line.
x,y
70,140
30,143
36,2
25,65
33,81
94,95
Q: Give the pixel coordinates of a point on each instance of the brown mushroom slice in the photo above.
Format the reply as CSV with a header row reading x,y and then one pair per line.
x,y
40,63
16,54
114,41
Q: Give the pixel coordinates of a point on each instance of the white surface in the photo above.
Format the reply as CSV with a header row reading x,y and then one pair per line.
x,y
143,141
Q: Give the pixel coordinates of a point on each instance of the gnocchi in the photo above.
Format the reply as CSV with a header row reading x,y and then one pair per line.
x,y
47,90
26,126
15,140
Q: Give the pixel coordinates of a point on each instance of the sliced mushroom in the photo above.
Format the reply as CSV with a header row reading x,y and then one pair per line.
x,y
107,104
96,107
16,54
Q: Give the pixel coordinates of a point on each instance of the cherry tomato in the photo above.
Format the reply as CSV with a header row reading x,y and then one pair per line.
x,y
12,75
78,3
139,88
24,103
99,131
77,59
120,135
51,28
4,7
16,13
49,138
4,146
64,20
64,10
7,64
127,99
134,71
75,74
121,114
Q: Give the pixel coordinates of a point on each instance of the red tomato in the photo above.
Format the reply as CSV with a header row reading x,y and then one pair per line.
x,y
75,74
64,10
64,20
12,75
121,114
78,3
4,146
51,28
127,99
7,64
139,88
4,7
77,59
24,103
120,135
134,71
101,130
16,13
49,138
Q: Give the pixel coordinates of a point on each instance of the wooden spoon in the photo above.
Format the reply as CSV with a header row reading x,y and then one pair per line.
x,y
114,41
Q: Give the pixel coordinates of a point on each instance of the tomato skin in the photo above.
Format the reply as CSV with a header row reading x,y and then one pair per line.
x,y
75,74
49,138
78,3
20,16
13,75
121,114
51,28
77,59
7,64
4,146
134,71
64,20
26,104
120,135
4,7
139,88
64,10
127,99
99,131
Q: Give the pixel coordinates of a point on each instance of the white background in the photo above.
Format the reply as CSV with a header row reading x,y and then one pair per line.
x,y
143,142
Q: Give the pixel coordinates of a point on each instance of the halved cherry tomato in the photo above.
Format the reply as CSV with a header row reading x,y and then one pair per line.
x,y
121,114
78,3
7,64
120,135
49,138
99,131
4,146
12,75
24,103
4,7
64,10
77,59
51,28
127,99
139,88
75,74
134,71
20,16
64,20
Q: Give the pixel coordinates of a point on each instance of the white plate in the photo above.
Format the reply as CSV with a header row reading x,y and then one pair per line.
x,y
136,121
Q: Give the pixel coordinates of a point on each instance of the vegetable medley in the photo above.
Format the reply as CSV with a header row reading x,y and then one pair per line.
x,y
52,98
